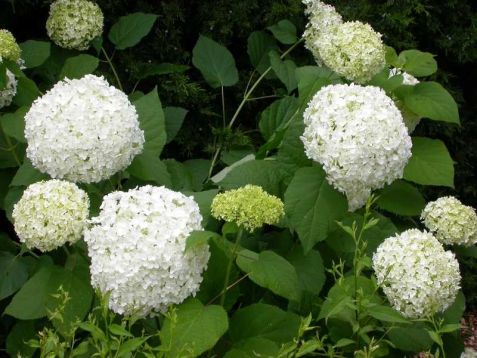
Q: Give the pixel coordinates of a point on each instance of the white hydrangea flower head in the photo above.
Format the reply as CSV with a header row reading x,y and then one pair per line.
x,y
83,130
358,135
417,275
452,222
322,20
50,214
137,250
73,24
10,90
353,50
411,119
469,353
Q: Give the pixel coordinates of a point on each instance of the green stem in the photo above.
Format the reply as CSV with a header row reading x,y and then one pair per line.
x,y
108,59
229,266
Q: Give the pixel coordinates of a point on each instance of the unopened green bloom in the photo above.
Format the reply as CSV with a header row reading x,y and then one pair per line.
x,y
9,48
249,206
73,24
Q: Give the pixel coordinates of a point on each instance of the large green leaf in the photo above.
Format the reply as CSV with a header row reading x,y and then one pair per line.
x,y
27,175
252,348
21,332
78,66
309,268
259,44
194,329
271,271
312,206
13,124
148,167
418,63
277,115
285,70
311,79
34,53
431,100
430,164
27,92
401,198
174,116
264,321
215,62
130,29
13,273
410,339
386,314
151,120
284,31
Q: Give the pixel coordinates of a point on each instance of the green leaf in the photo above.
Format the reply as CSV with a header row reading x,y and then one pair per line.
x,y
311,79
431,100
273,272
194,329
284,31
13,195
285,70
264,321
454,313
309,268
277,115
161,69
418,63
410,339
78,66
252,348
386,314
199,238
35,53
259,44
13,273
181,178
147,166
27,175
199,169
174,116
312,206
13,124
151,120
131,345
430,164
401,198
130,29
21,332
215,62
27,92
204,199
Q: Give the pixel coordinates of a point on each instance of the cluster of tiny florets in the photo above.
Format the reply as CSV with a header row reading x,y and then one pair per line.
x,y
249,206
417,275
358,135
137,250
50,214
9,49
322,19
73,24
9,91
83,130
452,222
411,120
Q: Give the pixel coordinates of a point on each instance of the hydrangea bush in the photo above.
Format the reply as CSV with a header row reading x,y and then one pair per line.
x,y
309,236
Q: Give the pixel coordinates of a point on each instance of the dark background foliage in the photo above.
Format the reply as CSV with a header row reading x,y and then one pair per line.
x,y
447,29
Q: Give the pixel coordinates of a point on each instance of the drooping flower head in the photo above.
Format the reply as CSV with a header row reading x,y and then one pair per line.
x,y
249,206
83,130
417,275
411,120
353,50
137,250
50,214
359,137
9,49
452,222
322,20
73,24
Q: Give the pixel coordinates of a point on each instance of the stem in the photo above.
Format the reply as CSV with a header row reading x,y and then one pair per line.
x,y
108,59
229,266
232,285
223,107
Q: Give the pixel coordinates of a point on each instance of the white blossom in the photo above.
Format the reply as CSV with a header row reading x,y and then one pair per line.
x,y
452,222
83,130
359,137
50,214
10,90
417,275
73,24
137,250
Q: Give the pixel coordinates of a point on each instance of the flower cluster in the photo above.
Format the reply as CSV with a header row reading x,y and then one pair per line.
x,y
83,130
72,24
9,48
411,120
50,214
322,20
137,244
358,135
9,91
417,275
249,206
452,222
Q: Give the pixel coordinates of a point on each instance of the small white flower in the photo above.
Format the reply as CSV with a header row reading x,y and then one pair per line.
x,y
83,130
358,135
50,214
452,222
136,245
417,275
7,94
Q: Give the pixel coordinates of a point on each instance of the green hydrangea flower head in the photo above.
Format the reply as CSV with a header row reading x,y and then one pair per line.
x,y
249,206
9,48
73,24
